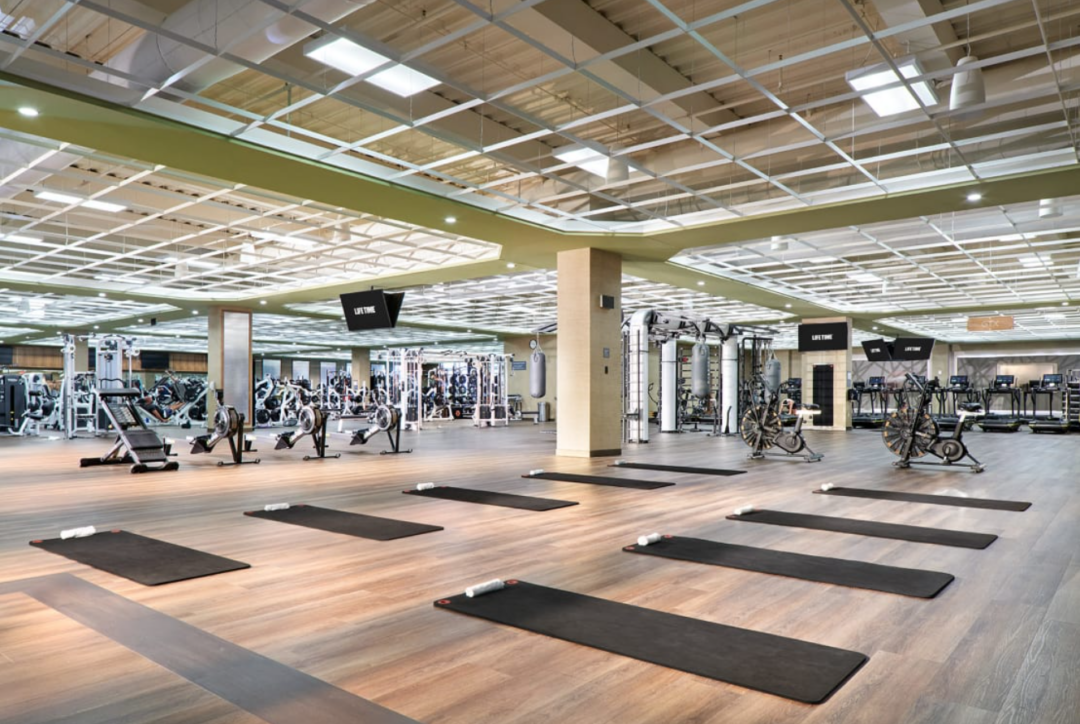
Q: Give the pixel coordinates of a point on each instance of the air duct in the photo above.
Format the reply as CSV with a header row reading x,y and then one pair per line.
x,y
968,88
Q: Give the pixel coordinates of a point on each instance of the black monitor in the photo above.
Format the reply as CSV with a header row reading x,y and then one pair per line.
x,y
1053,380
878,350
876,382
1004,380
958,381
912,349
373,309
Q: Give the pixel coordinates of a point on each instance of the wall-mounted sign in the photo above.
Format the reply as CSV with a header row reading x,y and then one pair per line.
x,y
823,337
518,366
375,309
990,324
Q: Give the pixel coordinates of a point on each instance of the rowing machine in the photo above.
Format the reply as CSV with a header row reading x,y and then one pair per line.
x,y
312,421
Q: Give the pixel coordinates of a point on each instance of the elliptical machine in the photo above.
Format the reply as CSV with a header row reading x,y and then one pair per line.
x,y
761,427
912,433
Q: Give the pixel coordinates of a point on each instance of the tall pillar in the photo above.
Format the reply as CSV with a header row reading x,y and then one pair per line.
x,y
361,367
940,364
841,377
669,386
589,351
82,353
729,394
228,360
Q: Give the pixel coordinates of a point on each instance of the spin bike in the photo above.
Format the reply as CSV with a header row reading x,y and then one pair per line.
x,y
762,429
911,432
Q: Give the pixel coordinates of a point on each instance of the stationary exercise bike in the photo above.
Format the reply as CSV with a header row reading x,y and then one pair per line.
x,y
911,432
762,429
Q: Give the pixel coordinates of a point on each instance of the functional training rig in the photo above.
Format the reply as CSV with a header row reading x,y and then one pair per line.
x,y
382,419
312,422
135,442
228,425
911,433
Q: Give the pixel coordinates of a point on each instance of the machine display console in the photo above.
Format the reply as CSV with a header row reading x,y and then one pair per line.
x,y
1004,380
876,382
958,381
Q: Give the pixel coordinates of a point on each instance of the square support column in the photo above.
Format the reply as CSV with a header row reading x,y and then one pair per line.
x,y
841,377
590,354
361,367
228,361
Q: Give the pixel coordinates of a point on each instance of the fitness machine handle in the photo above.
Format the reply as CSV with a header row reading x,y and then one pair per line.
x,y
915,381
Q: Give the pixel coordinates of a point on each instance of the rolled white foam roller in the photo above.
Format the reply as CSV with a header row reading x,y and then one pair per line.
x,y
84,532
189,439
538,471
648,539
827,486
249,438
276,506
494,584
620,462
425,486
744,510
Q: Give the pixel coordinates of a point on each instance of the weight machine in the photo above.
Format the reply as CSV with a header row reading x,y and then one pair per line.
x,y
135,442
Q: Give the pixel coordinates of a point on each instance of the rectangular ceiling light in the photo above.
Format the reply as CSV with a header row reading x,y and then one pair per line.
x,y
348,57
584,158
103,206
23,239
891,101
58,197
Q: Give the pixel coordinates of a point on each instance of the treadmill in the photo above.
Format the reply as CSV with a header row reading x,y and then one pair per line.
x,y
1003,386
958,392
1050,385
874,390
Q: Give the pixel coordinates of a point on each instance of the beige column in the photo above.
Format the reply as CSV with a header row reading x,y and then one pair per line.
x,y
228,359
82,353
841,362
361,366
588,346
940,365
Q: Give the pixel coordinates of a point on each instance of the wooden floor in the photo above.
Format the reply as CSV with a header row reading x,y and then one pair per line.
x,y
1000,644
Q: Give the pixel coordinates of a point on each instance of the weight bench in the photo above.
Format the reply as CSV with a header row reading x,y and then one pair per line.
x,y
136,444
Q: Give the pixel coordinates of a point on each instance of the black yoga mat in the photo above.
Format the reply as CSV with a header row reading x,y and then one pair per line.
x,y
778,665
931,499
338,521
905,581
600,480
485,497
677,469
914,533
148,561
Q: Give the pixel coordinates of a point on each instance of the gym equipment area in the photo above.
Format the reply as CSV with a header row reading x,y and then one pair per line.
x,y
551,361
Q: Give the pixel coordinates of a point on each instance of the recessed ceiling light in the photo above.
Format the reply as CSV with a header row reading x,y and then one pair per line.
x,y
875,329
510,265
450,219
348,57
104,206
894,100
1012,237
23,239
701,283
1056,315
58,197
194,311
864,277
140,320
468,331
262,302
974,196
101,294
1064,304
97,326
584,158
29,112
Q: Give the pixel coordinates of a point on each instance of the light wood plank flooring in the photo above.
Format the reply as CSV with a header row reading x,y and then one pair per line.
x,y
1000,644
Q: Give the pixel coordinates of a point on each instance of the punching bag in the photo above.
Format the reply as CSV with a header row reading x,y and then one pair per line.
x,y
699,371
772,375
538,374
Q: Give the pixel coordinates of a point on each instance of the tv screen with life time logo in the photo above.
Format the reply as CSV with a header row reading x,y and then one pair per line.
x,y
373,309
912,349
823,337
